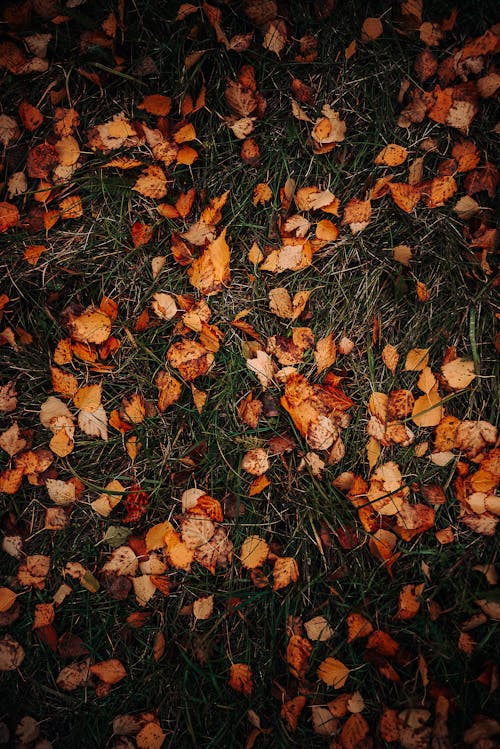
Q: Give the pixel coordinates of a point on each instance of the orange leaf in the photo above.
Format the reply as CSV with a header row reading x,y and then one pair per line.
x,y
141,233
190,358
240,678
408,604
354,732
405,196
9,216
261,193
186,155
210,272
333,673
71,207
32,253
298,652
110,671
152,183
134,408
92,326
392,155
156,104
7,598
428,409
372,28
63,383
357,626
184,202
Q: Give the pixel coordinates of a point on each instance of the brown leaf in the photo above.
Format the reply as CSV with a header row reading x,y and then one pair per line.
x,y
11,653
291,711
372,28
190,358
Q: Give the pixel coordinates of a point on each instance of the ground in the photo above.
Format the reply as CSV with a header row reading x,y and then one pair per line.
x,y
317,355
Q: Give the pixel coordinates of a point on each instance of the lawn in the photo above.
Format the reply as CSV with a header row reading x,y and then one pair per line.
x,y
249,392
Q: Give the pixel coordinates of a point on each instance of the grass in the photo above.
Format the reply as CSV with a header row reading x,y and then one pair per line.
x,y
354,281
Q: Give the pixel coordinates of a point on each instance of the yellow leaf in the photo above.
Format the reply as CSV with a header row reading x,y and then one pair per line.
x,y
88,397
253,553
428,409
210,272
155,537
416,359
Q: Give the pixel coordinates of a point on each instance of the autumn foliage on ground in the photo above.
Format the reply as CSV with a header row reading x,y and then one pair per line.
x,y
248,453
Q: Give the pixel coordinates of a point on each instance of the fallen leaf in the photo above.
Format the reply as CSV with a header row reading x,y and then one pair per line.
x,y
325,353
357,626
318,629
241,678
253,553
210,272
190,358
428,409
333,673
372,28
11,653
255,462
416,359
9,216
391,155
275,37
291,710
458,373
157,104
7,599
298,652
285,571
203,607
110,671
408,603
151,736
152,183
